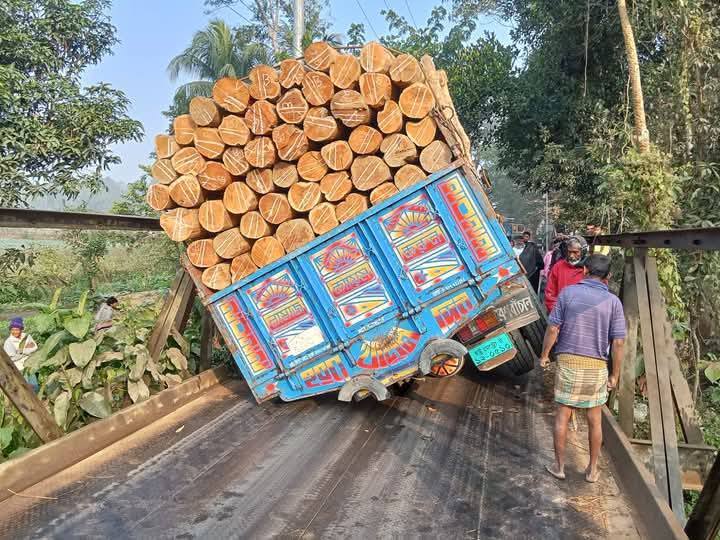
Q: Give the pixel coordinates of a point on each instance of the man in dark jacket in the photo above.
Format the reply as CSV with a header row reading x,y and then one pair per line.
x,y
531,259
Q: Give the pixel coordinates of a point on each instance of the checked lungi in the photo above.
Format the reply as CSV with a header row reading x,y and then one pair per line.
x,y
581,381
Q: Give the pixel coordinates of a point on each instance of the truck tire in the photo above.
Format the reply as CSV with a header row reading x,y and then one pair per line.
x,y
534,333
524,360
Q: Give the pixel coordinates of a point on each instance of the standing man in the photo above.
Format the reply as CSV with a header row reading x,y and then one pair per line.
x,y
586,322
567,271
530,257
19,346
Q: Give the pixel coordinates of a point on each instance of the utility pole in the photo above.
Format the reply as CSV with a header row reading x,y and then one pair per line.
x,y
299,27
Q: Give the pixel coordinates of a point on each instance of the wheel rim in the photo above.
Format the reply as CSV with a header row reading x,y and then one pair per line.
x,y
445,365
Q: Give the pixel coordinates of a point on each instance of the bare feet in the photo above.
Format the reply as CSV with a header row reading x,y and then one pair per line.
x,y
592,476
557,473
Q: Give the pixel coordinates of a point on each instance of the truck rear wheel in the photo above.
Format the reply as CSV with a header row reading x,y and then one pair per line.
x,y
524,360
445,365
534,333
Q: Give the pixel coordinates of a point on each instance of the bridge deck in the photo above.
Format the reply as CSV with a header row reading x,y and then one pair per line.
x,y
454,458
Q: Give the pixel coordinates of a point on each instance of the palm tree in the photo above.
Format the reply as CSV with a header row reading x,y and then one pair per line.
x,y
215,52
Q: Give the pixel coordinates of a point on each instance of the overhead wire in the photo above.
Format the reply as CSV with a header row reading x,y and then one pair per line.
x,y
367,19
412,17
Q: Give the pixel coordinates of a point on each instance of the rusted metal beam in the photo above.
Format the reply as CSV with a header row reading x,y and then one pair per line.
x,y
51,219
701,239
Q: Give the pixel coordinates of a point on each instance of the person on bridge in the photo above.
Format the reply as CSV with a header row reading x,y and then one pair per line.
x,y
567,271
586,322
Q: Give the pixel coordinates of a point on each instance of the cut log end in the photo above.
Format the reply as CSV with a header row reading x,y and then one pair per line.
x,y
260,181
435,156
234,131
239,198
317,88
165,146
184,129
261,117
292,73
188,161
230,243
398,150
405,70
205,112
217,277
215,218
338,155
303,196
231,94
375,58
209,143
215,177
407,175
163,171
421,132
382,192
290,141
350,108
158,197
369,172
182,224
312,167
365,140
266,250
187,192
353,205
376,89
284,174
260,152
390,118
253,225
275,208
320,55
294,234
264,83
322,218
201,253
292,107
345,71
241,267
416,100
320,125
335,186
235,162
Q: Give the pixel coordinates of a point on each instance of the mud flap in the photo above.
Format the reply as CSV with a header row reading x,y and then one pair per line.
x,y
437,347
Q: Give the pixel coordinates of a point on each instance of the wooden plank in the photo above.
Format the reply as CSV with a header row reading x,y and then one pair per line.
x,y
177,306
696,460
626,385
662,360
26,401
207,332
196,275
704,521
162,316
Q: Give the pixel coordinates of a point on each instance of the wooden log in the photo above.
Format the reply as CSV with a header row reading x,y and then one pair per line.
x,y
353,205
312,167
231,94
264,83
294,234
266,250
350,108
398,150
215,218
374,58
405,70
336,185
231,243
201,253
338,155
260,181
208,142
163,171
422,132
292,107
345,71
435,156
322,218
205,112
235,162
317,88
320,55
188,161
239,198
390,118
290,141
275,208
242,266
182,224
187,192
303,196
368,172
407,175
215,177
184,129
158,197
320,125
253,225
261,117
284,174
365,140
416,100
260,152
165,146
382,192
217,277
376,89
292,73
234,131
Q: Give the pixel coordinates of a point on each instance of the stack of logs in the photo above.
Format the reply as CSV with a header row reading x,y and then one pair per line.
x,y
264,166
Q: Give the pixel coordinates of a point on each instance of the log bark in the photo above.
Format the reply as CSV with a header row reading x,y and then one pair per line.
x,y
261,117
231,243
158,197
201,253
317,88
253,226
294,234
407,175
242,266
204,112
422,132
382,192
266,250
338,155
260,152
303,196
187,192
165,146
365,140
353,205
390,118
182,224
368,172
215,218
275,208
350,108
231,94
188,161
292,107
398,150
374,58
235,162
216,277
312,167
320,55
292,73
284,174
234,131
163,171
322,218
435,156
260,181
376,89
239,198
416,100
290,141
264,83
184,129
215,177
345,71
320,125
209,143
405,70
335,186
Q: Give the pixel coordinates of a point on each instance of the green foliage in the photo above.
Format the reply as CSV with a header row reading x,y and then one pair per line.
x,y
54,134
356,34
134,201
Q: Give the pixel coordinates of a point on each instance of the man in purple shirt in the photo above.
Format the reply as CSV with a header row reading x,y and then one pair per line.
x,y
585,324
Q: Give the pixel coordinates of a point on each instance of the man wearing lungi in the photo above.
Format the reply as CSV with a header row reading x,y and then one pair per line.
x,y
585,324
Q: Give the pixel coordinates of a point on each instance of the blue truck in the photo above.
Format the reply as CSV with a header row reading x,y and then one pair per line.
x,y
378,299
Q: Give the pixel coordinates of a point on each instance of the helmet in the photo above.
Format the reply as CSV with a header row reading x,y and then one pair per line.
x,y
583,250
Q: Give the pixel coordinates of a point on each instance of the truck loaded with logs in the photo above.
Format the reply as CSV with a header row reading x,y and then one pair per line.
x,y
332,202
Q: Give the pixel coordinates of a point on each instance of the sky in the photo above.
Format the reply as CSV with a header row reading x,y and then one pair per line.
x,y
151,32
